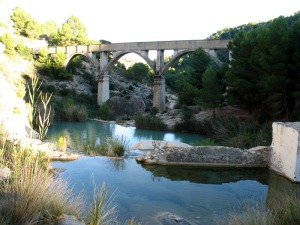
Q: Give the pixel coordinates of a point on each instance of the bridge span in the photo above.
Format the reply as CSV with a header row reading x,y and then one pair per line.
x,y
142,49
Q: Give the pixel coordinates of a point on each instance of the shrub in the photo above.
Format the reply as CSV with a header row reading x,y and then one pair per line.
x,y
104,112
113,147
149,122
9,43
76,113
24,51
32,192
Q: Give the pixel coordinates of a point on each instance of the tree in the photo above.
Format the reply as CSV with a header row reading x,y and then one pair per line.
x,y
200,61
278,81
73,32
20,19
210,94
24,24
138,71
187,94
32,29
9,43
244,75
49,30
264,72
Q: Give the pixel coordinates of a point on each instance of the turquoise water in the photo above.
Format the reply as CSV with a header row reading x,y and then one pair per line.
x,y
145,191
94,132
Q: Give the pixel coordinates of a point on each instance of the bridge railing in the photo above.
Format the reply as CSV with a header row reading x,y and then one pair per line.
x,y
71,49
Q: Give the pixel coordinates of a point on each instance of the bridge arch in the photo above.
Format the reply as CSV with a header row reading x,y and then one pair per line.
x,y
117,56
185,52
92,60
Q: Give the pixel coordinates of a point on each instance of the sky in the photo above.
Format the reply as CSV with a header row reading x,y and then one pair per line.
x,y
153,20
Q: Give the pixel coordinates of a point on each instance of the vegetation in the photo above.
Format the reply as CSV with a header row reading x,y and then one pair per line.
x,y
264,73
113,147
32,192
149,122
9,43
72,32
139,72
286,212
40,110
53,66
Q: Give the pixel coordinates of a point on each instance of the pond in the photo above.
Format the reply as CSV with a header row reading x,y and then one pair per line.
x,y
94,133
146,191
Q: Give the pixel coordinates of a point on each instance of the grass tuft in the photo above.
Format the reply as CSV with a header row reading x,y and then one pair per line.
x,y
33,193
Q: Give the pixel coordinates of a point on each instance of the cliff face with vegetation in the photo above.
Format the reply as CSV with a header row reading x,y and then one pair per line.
x,y
14,113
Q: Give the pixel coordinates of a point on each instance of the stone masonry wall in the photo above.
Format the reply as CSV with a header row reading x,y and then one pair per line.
x,y
217,156
285,155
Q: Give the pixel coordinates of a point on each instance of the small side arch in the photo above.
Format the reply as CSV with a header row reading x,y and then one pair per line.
x,y
121,54
94,61
182,53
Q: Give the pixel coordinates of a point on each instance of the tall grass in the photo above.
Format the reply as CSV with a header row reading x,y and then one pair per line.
x,y
283,212
250,215
149,122
103,212
113,147
33,193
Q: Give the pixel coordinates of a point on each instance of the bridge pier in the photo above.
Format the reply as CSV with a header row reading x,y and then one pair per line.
x,y
103,89
159,92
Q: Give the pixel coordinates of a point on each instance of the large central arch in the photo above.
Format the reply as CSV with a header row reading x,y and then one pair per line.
x,y
119,55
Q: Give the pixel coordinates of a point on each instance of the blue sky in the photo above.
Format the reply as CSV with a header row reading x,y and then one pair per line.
x,y
154,20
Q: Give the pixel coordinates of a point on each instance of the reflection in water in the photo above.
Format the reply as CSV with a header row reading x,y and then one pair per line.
x,y
208,176
144,191
95,133
116,164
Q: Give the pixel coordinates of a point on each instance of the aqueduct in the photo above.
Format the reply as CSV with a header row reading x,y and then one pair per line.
x,y
142,49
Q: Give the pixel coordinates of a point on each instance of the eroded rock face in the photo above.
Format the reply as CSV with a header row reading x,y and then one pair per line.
x,y
126,107
13,111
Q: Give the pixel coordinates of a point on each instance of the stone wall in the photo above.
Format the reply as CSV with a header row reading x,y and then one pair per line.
x,y
285,156
216,156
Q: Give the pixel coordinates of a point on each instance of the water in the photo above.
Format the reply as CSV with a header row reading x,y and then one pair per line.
x,y
95,132
146,191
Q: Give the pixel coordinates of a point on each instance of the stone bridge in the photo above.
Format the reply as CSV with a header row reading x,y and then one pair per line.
x,y
142,49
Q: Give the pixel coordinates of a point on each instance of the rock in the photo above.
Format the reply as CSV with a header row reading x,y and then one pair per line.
x,y
149,145
50,149
4,173
70,220
172,219
13,111
126,107
219,156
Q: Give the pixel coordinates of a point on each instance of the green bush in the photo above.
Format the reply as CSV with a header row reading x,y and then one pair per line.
x,y
9,43
76,113
104,112
149,122
24,51
113,147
